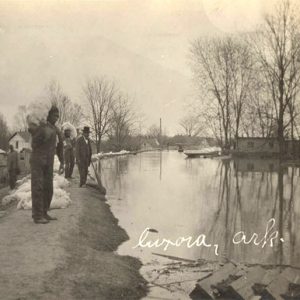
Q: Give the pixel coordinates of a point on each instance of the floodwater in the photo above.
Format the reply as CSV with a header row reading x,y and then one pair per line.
x,y
222,202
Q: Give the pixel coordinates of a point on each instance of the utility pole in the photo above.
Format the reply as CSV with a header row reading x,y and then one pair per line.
x,y
160,155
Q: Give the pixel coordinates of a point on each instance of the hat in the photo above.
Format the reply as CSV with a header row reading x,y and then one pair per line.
x,y
53,109
86,129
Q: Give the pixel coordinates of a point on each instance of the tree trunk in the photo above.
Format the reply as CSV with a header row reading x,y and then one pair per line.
x,y
281,136
99,145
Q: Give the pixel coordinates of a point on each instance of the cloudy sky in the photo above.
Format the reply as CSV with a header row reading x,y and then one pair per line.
x,y
142,45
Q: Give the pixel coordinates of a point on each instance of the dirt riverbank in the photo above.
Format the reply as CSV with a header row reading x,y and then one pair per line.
x,y
71,258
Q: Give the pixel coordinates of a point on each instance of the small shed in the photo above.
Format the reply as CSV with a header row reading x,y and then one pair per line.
x,y
20,140
149,144
292,147
261,145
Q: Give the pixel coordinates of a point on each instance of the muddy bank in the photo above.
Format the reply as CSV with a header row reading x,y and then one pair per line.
x,y
92,269
72,258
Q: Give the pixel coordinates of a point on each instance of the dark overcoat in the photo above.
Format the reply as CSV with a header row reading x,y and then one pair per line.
x,y
46,142
83,157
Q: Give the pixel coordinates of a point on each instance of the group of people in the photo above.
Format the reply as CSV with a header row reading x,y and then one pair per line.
x,y
48,140
80,149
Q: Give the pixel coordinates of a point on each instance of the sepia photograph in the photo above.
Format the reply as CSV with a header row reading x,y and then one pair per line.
x,y
149,149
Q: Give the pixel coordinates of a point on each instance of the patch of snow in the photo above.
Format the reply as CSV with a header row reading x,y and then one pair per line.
x,y
109,154
204,150
56,164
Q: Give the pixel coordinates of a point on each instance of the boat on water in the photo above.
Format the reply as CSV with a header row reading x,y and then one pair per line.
x,y
207,152
180,147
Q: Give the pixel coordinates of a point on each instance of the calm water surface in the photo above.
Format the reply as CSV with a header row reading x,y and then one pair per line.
x,y
187,197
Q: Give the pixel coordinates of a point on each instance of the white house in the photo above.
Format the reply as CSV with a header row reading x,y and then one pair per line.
x,y
149,144
20,140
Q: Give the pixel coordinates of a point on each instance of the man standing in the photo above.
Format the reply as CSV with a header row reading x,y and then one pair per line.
x,y
44,148
68,154
12,167
83,155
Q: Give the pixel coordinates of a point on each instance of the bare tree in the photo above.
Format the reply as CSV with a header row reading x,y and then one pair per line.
x,y
223,70
277,46
211,116
101,96
259,117
68,111
122,123
20,121
295,116
242,70
75,114
191,125
154,131
4,133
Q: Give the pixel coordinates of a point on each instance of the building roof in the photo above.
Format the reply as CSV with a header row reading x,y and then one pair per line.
x,y
153,142
25,150
25,135
2,151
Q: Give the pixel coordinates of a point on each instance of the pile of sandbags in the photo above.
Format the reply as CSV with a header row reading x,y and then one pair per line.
x,y
69,126
22,194
56,164
38,112
23,180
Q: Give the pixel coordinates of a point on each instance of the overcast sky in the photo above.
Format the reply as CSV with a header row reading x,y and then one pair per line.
x,y
142,45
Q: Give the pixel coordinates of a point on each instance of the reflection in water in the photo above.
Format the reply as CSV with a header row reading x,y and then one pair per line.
x,y
215,197
250,201
160,165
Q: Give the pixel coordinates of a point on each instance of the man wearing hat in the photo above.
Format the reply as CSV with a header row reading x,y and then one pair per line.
x,y
68,153
44,147
83,155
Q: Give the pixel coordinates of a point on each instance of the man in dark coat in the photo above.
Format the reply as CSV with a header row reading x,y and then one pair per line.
x,y
69,155
12,167
83,155
44,138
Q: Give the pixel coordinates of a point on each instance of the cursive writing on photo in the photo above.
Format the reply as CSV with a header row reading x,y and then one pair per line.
x,y
189,241
267,238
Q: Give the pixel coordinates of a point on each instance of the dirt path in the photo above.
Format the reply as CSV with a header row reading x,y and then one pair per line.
x,y
3,192
72,258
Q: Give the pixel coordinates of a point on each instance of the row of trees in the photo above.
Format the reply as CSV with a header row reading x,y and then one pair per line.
x,y
108,112
53,94
111,115
249,83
